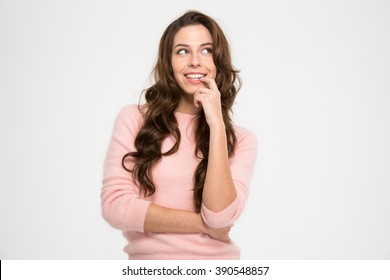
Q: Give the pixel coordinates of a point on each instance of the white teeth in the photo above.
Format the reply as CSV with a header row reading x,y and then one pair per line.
x,y
195,76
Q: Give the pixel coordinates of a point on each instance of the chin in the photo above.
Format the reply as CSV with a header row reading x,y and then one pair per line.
x,y
191,90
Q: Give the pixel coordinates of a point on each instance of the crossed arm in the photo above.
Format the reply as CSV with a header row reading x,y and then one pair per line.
x,y
166,220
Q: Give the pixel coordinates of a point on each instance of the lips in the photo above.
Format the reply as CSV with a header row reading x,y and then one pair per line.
x,y
195,76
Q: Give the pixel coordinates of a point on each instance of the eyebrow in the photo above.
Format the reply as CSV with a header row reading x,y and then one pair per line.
x,y
187,46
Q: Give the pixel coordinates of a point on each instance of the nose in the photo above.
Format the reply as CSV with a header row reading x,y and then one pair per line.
x,y
194,60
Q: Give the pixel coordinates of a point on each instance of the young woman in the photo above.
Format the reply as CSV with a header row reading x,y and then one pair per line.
x,y
177,170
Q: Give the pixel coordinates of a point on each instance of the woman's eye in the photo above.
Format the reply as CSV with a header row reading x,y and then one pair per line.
x,y
182,51
207,50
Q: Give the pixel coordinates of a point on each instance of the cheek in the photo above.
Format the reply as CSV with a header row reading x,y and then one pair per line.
x,y
212,68
176,68
213,72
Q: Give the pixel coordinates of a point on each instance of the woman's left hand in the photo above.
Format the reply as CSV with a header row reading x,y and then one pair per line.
x,y
209,98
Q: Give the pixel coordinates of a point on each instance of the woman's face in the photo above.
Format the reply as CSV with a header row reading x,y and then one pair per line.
x,y
192,57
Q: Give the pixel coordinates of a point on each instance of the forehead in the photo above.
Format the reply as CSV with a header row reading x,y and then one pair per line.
x,y
192,35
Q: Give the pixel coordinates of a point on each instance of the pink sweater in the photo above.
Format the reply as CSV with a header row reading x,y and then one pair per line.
x,y
125,209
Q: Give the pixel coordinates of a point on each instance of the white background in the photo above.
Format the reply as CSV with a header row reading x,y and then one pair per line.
x,y
316,93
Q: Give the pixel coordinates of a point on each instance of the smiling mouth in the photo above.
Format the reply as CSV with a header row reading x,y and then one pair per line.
x,y
195,76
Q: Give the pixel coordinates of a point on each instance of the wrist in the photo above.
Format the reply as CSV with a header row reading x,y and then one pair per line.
x,y
217,127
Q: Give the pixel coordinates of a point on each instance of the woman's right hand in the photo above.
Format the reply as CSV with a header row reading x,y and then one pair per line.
x,y
221,234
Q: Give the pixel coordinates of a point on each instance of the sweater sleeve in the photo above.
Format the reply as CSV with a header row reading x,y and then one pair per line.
x,y
122,205
241,167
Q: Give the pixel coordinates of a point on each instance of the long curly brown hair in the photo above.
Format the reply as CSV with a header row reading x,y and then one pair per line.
x,y
162,99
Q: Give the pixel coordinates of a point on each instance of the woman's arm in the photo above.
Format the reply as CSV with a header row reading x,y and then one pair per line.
x,y
227,179
218,191
166,220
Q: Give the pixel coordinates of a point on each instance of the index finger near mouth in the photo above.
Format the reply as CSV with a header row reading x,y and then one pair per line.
x,y
211,82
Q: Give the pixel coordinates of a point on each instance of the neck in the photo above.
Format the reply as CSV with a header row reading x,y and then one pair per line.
x,y
186,105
